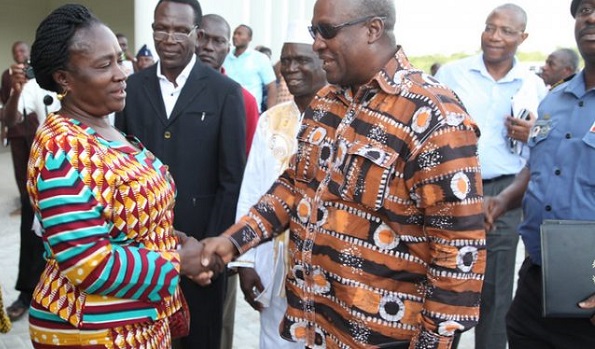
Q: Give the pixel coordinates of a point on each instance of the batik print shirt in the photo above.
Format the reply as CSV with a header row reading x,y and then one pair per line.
x,y
106,210
384,204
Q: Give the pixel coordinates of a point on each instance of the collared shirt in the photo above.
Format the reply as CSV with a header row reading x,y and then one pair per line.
x,y
562,162
170,91
32,101
383,202
252,69
489,102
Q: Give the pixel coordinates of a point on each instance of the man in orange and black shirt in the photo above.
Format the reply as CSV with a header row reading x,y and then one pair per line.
x,y
383,198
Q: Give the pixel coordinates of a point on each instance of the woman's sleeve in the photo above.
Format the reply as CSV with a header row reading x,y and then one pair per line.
x,y
76,232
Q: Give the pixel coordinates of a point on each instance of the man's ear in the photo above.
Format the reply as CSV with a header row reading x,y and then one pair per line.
x,y
375,29
524,37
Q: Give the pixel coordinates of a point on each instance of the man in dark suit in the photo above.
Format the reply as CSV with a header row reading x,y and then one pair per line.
x,y
192,118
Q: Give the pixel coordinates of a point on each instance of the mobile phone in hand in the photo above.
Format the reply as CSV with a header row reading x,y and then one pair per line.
x,y
524,115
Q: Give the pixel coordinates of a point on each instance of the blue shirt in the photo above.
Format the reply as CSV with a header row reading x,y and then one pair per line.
x,y
252,69
489,102
562,162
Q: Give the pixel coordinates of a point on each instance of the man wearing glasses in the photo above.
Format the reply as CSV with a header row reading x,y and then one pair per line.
x,y
382,199
193,119
495,89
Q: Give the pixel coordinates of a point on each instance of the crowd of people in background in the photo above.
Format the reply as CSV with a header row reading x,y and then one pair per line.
x,y
357,201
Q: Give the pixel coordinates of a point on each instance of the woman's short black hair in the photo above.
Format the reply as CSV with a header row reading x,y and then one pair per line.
x,y
53,39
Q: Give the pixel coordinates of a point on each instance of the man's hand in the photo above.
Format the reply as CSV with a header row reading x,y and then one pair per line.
x,y
493,207
212,270
519,129
251,286
191,258
589,303
220,246
17,77
217,252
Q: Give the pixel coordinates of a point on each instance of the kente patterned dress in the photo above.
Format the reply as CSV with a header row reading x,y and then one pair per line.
x,y
106,209
383,200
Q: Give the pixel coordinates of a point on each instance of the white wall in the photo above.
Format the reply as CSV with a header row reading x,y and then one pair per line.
x,y
267,18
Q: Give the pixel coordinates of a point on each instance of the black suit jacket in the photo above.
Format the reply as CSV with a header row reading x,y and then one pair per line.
x,y
202,142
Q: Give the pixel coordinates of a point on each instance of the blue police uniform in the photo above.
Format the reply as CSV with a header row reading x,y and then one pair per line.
x,y
561,186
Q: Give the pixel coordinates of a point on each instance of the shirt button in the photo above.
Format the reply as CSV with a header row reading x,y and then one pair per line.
x,y
581,103
548,208
557,172
167,135
568,136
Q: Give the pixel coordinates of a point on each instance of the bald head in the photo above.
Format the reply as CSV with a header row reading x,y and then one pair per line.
x,y
520,16
569,57
216,20
559,65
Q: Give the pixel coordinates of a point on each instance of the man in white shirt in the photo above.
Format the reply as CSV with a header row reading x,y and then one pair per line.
x,y
495,89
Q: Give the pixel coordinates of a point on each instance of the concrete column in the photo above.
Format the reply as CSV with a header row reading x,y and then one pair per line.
x,y
143,18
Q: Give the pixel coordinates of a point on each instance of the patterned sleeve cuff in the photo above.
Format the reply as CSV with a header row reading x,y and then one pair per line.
x,y
430,340
243,237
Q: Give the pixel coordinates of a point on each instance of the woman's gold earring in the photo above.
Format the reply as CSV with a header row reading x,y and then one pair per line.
x,y
62,95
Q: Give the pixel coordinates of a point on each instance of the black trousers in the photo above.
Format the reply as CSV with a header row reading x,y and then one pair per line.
x,y
206,313
527,329
31,260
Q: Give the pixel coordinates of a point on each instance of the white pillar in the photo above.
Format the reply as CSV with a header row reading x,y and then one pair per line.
x,y
143,18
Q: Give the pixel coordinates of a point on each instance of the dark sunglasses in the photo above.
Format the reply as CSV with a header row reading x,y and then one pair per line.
x,y
329,31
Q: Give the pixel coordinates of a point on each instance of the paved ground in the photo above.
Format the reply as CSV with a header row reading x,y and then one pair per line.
x,y
246,324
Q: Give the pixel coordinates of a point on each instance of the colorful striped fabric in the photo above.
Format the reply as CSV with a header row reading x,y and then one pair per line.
x,y
47,332
106,209
384,204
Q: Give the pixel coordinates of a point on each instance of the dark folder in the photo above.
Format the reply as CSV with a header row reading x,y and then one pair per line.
x,y
567,267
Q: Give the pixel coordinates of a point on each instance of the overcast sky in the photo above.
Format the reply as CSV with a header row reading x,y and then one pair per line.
x,y
449,26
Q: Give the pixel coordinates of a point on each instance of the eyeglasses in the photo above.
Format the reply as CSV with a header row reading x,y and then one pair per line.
x,y
329,31
585,10
160,35
505,31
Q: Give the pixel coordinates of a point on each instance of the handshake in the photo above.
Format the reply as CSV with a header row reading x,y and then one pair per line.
x,y
203,260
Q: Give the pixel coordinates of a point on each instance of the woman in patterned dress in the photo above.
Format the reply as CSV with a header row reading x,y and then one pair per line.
x,y
105,203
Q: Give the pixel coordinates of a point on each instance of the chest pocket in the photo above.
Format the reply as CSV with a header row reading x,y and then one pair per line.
x,y
540,131
308,153
367,171
586,166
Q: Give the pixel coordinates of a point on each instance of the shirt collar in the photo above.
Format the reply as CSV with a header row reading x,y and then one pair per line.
x,y
181,79
576,85
478,65
388,79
